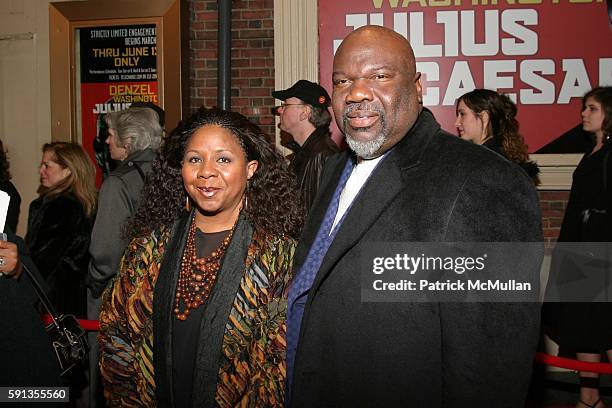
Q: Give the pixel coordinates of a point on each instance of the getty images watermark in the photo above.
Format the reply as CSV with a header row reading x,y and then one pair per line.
x,y
451,272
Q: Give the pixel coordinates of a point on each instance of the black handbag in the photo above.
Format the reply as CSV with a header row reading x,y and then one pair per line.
x,y
68,338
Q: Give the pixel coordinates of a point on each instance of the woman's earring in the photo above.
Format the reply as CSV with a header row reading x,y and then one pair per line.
x,y
187,203
246,195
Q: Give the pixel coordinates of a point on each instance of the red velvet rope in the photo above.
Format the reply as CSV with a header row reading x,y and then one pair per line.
x,y
542,358
87,325
576,365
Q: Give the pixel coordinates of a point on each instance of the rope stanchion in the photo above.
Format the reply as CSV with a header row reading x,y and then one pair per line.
x,y
87,325
576,365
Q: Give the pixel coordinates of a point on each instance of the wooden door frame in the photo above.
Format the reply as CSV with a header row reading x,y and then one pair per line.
x,y
171,20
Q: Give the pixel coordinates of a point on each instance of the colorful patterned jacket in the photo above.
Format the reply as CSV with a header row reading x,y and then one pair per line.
x,y
240,359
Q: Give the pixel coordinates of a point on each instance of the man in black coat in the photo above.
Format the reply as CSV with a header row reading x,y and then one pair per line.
x,y
405,180
305,116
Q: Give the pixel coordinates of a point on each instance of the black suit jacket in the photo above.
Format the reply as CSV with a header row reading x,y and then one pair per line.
x,y
432,187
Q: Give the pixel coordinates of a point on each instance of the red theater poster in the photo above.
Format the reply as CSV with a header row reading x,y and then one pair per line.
x,y
118,66
545,54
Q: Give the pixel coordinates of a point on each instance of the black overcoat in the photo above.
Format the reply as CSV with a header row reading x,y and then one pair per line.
x,y
432,187
58,238
584,327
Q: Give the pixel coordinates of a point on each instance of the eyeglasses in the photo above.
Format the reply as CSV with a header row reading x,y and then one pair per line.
x,y
276,110
283,104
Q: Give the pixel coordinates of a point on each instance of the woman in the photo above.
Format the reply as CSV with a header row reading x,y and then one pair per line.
x,y
203,282
59,224
488,118
585,328
134,136
12,216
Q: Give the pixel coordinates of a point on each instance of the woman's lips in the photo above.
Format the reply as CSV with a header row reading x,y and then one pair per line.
x,y
362,119
207,191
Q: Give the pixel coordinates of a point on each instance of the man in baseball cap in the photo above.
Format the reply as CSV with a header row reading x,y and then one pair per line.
x,y
304,115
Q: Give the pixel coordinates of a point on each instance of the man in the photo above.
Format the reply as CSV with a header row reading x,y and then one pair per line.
x,y
409,182
304,115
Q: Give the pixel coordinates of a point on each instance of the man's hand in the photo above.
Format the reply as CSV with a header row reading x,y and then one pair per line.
x,y
9,260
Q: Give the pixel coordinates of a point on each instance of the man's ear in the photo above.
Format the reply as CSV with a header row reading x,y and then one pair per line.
x,y
418,87
306,112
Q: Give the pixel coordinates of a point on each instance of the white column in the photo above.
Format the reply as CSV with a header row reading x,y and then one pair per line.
x,y
296,44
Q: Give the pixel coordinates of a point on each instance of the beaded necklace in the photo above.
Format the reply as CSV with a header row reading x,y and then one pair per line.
x,y
197,276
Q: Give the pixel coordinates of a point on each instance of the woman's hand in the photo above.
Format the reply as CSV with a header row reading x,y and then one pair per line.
x,y
9,260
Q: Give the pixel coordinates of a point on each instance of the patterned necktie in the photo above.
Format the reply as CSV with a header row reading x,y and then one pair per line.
x,y
305,277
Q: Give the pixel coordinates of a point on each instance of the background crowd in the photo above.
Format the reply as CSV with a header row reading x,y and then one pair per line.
x,y
207,218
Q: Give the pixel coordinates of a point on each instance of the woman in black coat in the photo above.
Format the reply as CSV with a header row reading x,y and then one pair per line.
x,y
59,228
59,224
488,118
586,328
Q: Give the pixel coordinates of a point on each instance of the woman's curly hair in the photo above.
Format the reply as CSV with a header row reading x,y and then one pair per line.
x,y
503,125
274,203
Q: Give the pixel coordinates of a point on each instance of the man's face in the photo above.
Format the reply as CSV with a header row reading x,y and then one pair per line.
x,y
291,112
376,91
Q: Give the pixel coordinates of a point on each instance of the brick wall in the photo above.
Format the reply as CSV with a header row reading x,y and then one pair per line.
x,y
553,205
252,58
253,76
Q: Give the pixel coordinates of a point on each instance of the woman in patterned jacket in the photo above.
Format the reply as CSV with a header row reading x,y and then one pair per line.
x,y
196,316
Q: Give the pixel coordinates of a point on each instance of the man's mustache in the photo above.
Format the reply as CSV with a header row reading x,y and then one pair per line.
x,y
363,106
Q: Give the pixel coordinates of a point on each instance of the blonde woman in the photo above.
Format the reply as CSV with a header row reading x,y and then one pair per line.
x,y
59,224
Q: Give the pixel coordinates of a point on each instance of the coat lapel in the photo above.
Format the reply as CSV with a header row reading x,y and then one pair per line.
x,y
387,180
382,187
216,315
213,323
331,176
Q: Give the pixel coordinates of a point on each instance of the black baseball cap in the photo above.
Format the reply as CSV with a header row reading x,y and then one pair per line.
x,y
311,93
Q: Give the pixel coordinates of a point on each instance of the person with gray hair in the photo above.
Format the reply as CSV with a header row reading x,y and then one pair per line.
x,y
134,137
132,130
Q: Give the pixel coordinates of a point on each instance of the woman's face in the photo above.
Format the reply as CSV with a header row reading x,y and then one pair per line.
x,y
592,116
117,151
51,173
215,173
469,125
